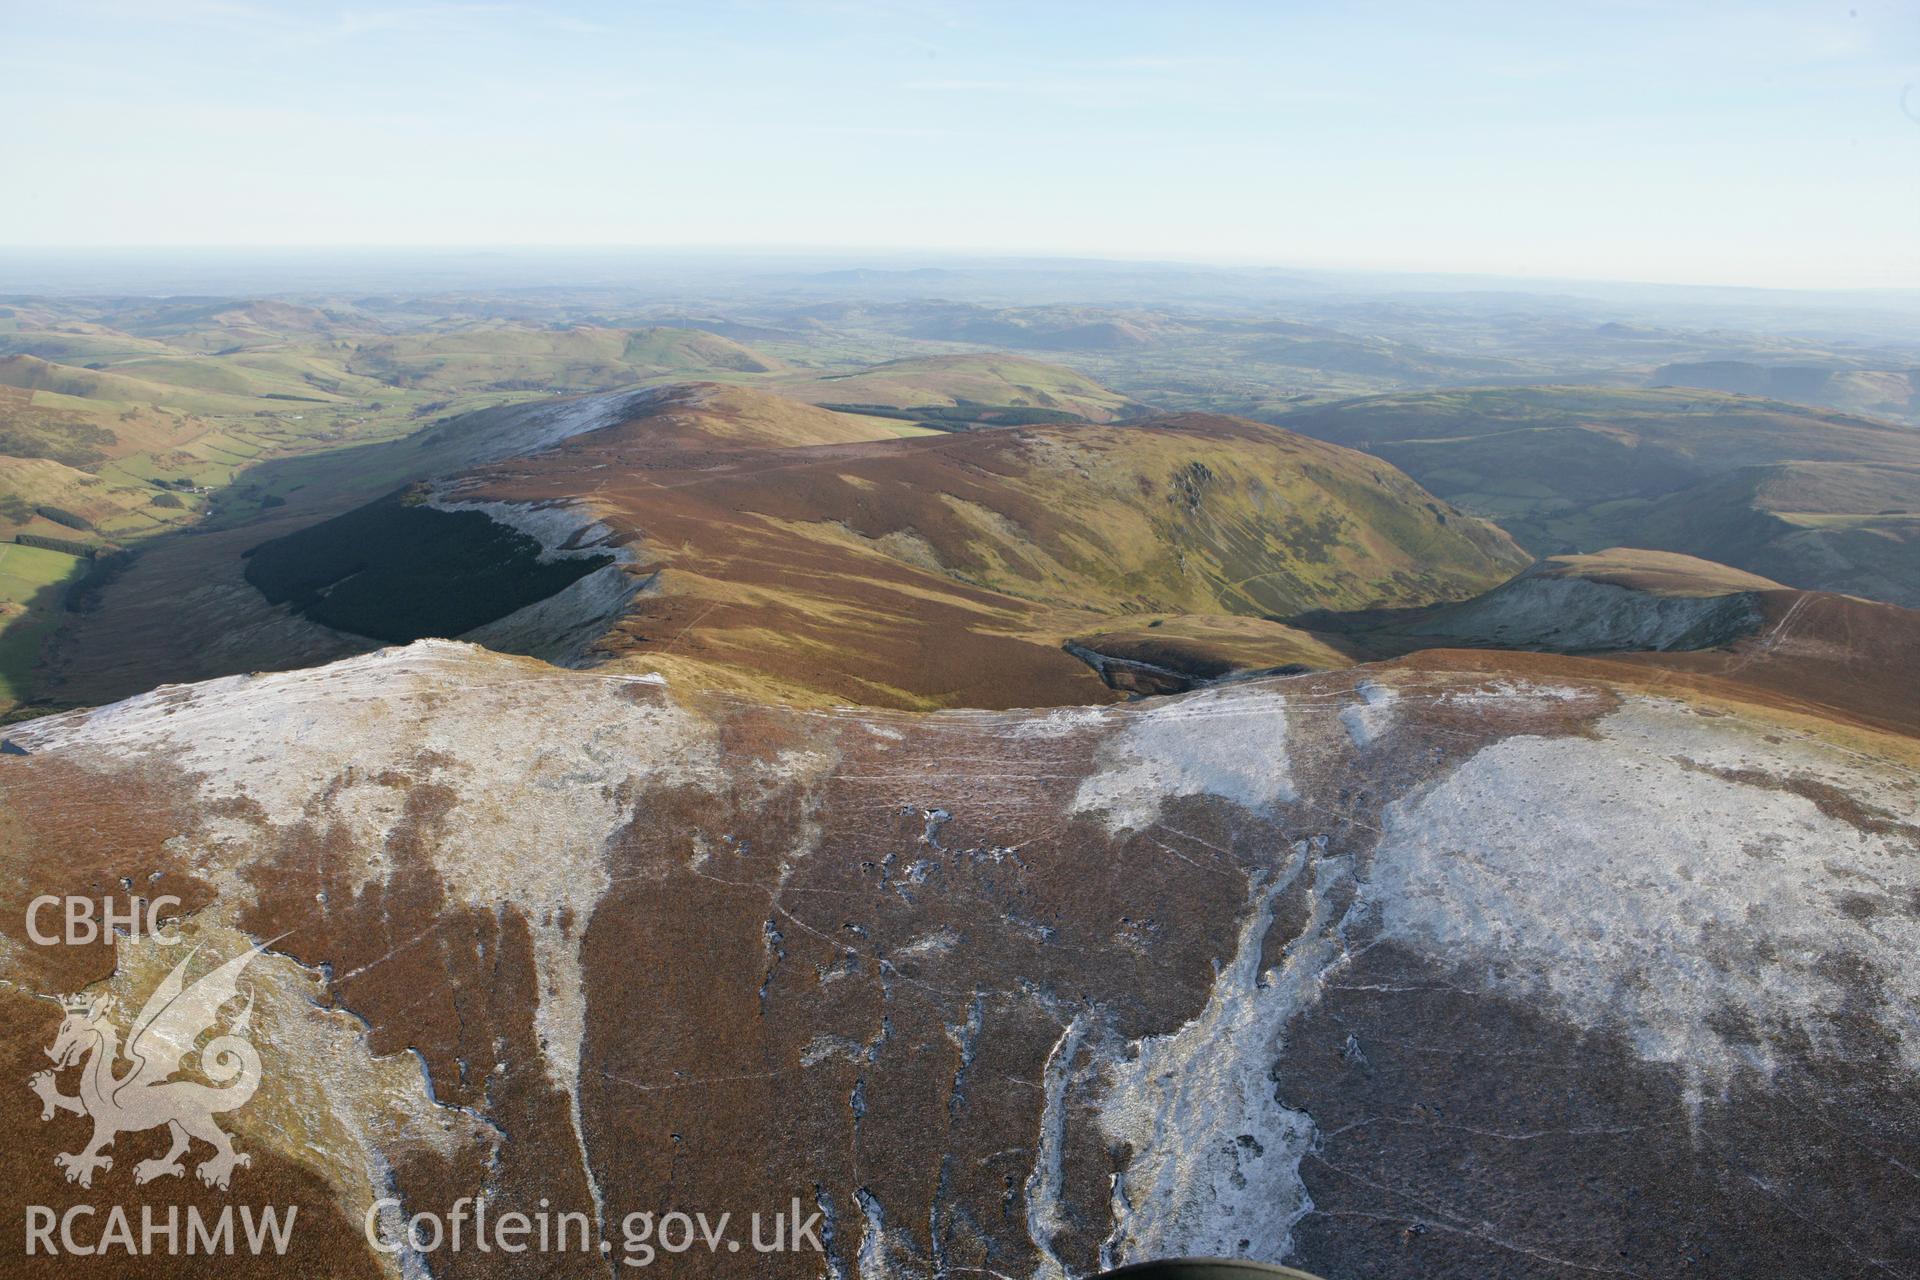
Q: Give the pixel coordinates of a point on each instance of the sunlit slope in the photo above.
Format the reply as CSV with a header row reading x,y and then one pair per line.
x,y
1657,573
991,379
83,467
1191,514
1679,430
204,413
222,325
514,357
32,580
694,414
34,374
663,420
950,570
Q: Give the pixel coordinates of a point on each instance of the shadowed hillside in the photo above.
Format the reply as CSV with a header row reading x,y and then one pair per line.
x,y
1814,498
1887,393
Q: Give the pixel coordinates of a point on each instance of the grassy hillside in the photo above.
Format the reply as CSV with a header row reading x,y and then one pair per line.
x,y
32,582
117,388
1707,430
1886,393
1218,359
1814,498
956,565
1194,514
221,326
1835,526
965,379
1658,573
513,357
701,413
188,412
951,569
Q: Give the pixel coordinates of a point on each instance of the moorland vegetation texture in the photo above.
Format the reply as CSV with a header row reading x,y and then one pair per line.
x,y
1051,784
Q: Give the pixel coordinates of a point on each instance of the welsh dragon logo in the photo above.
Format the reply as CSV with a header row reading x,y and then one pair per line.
x,y
143,1094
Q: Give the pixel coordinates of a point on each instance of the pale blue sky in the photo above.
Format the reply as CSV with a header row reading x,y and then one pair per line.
x,y
1749,143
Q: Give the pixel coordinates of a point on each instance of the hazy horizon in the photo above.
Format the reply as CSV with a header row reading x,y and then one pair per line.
x,y
313,271
1769,146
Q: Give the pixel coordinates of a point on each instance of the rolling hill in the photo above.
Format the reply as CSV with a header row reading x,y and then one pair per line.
x,y
297,411
219,326
1060,328
1671,620
807,562
30,373
1831,525
950,381
689,415
147,429
1618,599
1885,393
1814,498
73,441
515,357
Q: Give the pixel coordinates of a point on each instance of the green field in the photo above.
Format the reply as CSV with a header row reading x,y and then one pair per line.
x,y
32,582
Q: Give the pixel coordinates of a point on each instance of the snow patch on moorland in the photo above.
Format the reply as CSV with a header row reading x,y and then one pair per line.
x,y
531,428
544,768
1047,1215
1373,715
565,530
1230,743
1215,1169
1631,888
345,1122
1719,892
1062,722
